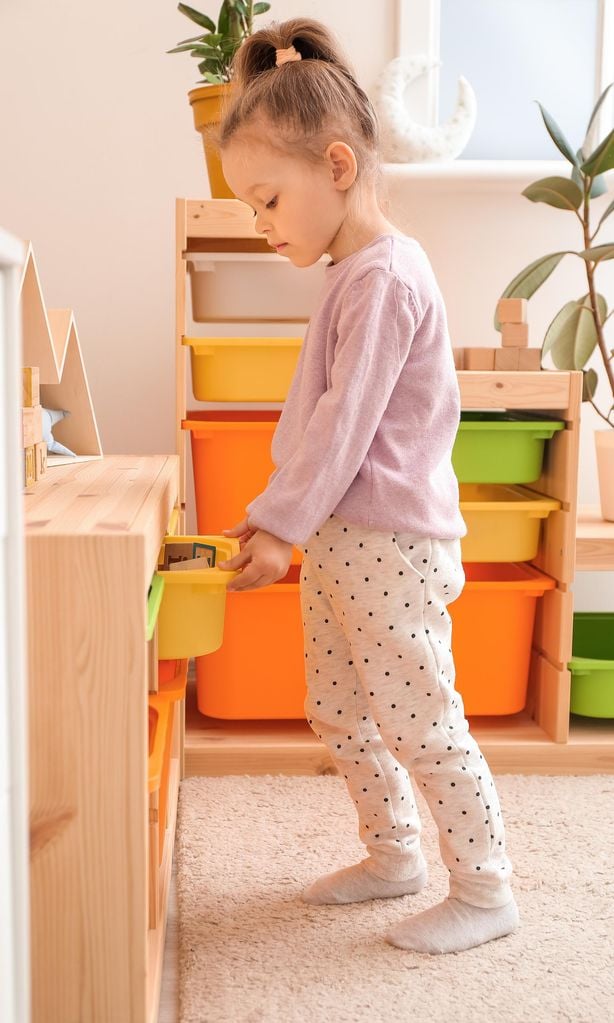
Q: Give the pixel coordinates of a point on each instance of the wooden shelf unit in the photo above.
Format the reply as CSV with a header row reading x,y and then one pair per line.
x,y
93,531
541,738
594,541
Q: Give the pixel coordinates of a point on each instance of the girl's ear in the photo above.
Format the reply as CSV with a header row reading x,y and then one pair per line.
x,y
343,164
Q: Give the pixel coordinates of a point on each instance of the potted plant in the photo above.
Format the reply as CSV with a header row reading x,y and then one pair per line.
x,y
214,52
579,326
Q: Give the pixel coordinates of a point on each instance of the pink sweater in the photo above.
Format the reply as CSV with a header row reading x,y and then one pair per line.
x,y
372,412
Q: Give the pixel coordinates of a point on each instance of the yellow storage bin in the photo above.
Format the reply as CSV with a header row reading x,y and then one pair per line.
x,y
503,522
242,368
191,617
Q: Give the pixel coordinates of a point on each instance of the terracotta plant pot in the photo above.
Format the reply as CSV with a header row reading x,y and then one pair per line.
x,y
206,102
604,445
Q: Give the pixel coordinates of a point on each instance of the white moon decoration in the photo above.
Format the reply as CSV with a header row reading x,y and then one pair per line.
x,y
406,141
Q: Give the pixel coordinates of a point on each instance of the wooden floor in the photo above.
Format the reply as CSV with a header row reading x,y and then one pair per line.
x,y
512,744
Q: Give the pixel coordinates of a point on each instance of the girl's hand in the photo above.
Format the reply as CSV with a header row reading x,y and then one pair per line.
x,y
263,559
243,531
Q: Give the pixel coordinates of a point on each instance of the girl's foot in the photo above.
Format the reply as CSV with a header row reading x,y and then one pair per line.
x,y
453,926
357,884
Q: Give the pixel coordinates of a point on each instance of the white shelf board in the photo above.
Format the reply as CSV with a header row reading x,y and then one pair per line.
x,y
493,174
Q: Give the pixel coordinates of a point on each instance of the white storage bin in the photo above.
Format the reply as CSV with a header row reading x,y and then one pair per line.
x,y
243,286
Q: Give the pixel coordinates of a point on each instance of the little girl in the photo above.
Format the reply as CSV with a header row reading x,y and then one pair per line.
x,y
364,486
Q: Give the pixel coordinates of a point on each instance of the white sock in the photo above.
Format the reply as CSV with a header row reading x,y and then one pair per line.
x,y
453,926
358,883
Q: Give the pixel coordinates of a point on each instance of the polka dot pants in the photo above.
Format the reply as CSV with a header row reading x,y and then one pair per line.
x,y
380,695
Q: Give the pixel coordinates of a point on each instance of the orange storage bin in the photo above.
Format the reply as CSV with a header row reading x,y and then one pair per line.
x,y
231,461
492,634
161,719
172,681
258,672
172,678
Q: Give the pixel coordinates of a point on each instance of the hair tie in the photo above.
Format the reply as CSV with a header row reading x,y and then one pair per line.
x,y
289,54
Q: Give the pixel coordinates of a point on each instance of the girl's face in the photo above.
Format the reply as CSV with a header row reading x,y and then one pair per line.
x,y
298,206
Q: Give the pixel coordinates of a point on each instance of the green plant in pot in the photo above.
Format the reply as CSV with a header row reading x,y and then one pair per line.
x,y
214,51
579,327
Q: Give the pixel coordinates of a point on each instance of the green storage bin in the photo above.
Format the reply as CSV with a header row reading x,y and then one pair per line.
x,y
501,447
154,599
592,664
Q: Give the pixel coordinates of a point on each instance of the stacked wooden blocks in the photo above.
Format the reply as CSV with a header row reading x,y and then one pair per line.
x,y
35,449
514,353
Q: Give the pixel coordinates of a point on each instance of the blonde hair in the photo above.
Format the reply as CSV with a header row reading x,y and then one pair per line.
x,y
309,103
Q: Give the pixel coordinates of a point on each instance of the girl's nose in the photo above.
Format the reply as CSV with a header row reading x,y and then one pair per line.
x,y
261,225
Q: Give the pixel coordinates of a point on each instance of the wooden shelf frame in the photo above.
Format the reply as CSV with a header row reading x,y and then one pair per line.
x,y
541,739
93,531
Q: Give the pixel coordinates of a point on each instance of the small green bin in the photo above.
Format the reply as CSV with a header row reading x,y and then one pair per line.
x,y
592,664
501,447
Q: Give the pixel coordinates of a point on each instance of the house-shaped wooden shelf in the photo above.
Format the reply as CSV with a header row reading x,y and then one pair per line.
x,y
51,342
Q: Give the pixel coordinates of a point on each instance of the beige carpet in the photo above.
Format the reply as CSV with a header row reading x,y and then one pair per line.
x,y
251,952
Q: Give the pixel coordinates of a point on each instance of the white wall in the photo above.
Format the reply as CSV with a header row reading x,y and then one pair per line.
x,y
98,140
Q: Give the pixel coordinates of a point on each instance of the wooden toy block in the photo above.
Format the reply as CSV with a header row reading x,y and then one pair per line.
x,y
32,419
459,354
479,358
530,359
514,335
512,310
40,458
29,466
31,386
506,358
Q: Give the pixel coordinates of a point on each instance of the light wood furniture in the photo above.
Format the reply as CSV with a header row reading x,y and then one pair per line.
x,y
594,541
540,738
51,343
93,534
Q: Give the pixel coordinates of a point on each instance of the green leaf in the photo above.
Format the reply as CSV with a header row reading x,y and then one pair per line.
x,y
213,79
209,65
531,278
589,384
599,186
572,335
594,114
193,39
557,136
602,159
241,7
606,214
261,8
598,252
555,191
181,49
200,19
224,15
576,173
205,51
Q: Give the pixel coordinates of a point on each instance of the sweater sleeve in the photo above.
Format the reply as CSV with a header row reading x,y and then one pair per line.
x,y
375,331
